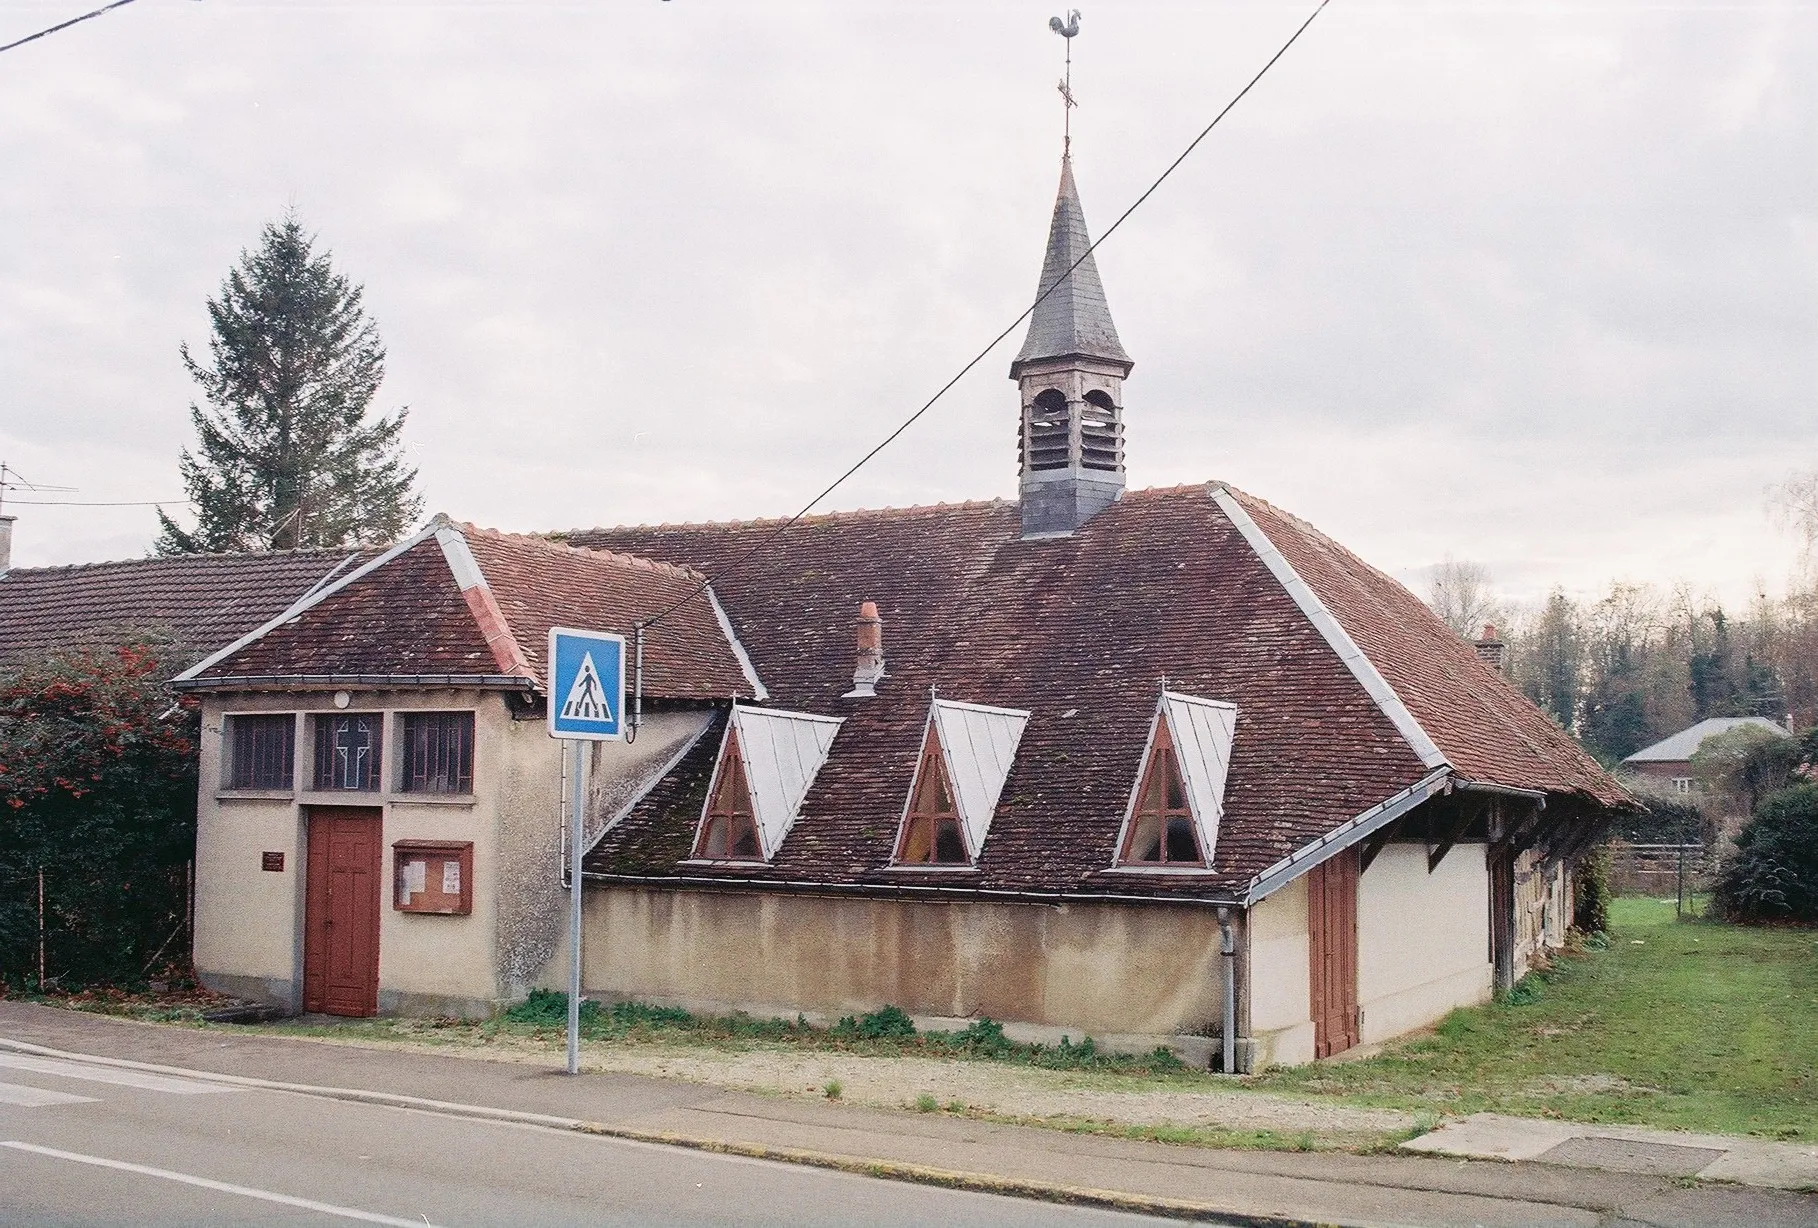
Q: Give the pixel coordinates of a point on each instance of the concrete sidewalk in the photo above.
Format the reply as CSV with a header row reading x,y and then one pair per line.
x,y
1632,1149
1222,1186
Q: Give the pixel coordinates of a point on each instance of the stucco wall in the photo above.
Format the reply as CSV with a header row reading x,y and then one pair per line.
x,y
1423,940
1096,969
1280,991
249,921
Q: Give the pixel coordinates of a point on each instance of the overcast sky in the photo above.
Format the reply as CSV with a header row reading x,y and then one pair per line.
x,y
1529,284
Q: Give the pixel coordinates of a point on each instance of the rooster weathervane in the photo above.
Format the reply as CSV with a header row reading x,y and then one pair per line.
x,y
1067,29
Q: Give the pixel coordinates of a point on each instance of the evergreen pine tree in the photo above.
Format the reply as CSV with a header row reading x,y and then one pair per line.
x,y
286,456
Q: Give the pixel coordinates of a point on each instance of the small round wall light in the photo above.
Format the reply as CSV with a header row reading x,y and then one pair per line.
x,y
342,699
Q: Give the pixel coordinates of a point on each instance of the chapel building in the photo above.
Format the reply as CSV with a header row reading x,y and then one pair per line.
x,y
1155,766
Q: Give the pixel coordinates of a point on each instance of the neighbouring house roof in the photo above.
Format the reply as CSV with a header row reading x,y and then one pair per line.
x,y
201,601
1350,693
457,605
1683,745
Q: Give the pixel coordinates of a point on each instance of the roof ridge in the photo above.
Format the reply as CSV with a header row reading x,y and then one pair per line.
x,y
186,559
547,543
768,521
1309,529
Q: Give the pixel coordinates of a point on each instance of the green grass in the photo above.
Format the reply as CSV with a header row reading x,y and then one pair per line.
x,y
1692,1025
886,1032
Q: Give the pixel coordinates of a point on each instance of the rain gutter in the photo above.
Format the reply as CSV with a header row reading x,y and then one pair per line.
x,y
896,890
1479,786
242,682
1330,845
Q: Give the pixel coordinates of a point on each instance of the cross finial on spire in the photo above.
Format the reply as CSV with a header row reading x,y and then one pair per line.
x,y
1067,29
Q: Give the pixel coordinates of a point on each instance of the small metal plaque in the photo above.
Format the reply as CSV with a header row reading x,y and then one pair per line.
x,y
271,861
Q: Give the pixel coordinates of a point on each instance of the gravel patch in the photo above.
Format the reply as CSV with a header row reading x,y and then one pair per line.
x,y
999,1089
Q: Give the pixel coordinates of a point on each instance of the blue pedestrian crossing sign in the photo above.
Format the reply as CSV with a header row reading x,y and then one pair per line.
x,y
586,685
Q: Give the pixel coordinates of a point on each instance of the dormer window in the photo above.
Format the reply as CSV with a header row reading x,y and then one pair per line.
x,y
967,750
1161,830
931,830
729,828
768,760
1179,798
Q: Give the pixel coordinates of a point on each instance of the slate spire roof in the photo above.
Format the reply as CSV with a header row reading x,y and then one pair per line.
x,y
1075,320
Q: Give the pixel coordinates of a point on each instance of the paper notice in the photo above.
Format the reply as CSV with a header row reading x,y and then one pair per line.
x,y
416,874
451,878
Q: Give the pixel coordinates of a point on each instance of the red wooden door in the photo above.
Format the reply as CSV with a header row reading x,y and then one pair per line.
x,y
341,912
1332,953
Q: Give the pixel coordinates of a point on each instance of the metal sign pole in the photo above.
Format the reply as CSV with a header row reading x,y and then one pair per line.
x,y
586,694
575,802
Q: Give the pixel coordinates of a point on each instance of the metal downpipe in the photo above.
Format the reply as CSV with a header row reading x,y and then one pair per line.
x,y
1227,946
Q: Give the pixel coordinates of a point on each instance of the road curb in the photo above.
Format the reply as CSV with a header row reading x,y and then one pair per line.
x,y
892,1170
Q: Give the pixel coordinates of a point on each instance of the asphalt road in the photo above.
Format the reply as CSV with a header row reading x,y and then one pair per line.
x,y
90,1144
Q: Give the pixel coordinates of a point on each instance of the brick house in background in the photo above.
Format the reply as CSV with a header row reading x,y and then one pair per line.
x,y
1668,762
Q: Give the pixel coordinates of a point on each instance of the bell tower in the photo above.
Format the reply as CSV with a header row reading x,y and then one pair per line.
x,y
1070,374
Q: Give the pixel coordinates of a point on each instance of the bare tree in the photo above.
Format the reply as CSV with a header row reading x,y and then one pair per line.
x,y
1794,504
1461,594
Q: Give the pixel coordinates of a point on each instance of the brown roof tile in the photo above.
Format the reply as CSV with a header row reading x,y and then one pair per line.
x,y
203,601
409,616
1078,630
1488,730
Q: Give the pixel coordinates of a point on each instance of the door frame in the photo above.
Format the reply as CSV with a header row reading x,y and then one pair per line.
x,y
1332,931
314,995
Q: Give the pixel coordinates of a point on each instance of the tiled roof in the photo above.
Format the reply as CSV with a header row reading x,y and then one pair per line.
x,y
1487,730
1075,318
1081,631
202,601
415,614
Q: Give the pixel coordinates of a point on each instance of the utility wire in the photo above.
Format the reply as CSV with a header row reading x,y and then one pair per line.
x,y
763,544
66,25
87,503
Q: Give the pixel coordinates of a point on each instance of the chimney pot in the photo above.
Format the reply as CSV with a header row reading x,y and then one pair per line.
x,y
869,668
1491,649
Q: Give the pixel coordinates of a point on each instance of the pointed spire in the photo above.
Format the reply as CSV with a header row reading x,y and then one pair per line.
x,y
1075,320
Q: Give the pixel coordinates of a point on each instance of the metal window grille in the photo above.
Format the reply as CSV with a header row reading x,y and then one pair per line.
x,y
261,752
438,752
347,751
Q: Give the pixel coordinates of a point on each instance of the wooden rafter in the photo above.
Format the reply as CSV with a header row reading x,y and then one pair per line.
x,y
1376,842
1467,814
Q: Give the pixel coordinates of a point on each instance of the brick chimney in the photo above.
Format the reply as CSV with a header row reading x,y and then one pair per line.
x,y
869,669
1491,648
6,541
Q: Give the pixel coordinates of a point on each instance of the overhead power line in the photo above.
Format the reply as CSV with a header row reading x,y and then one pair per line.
x,y
66,24
764,543
87,503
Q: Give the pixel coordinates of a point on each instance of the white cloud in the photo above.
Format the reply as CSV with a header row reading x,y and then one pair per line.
x,y
1535,285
